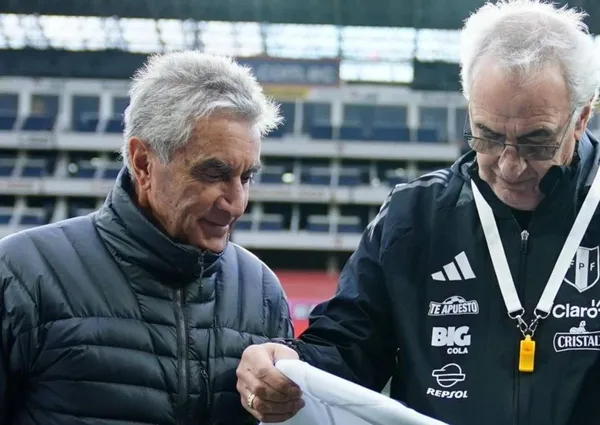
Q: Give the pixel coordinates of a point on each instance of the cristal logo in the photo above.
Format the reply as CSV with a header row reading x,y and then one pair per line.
x,y
570,311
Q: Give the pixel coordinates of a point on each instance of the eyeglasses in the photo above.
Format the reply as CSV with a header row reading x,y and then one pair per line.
x,y
530,151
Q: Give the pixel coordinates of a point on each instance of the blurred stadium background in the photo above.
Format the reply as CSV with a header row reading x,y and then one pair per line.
x,y
369,90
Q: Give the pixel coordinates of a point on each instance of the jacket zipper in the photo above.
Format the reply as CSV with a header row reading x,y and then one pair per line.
x,y
522,275
207,398
203,371
182,353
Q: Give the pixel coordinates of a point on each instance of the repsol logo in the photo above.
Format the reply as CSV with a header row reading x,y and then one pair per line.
x,y
571,311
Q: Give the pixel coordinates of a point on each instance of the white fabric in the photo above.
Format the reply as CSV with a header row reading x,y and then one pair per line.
x,y
334,401
494,242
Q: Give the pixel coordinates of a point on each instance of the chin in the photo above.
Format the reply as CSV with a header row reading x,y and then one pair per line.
x,y
212,244
520,201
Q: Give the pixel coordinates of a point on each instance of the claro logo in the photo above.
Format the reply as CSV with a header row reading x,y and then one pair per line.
x,y
571,311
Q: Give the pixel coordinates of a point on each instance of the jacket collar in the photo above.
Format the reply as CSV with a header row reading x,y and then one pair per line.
x,y
129,234
567,182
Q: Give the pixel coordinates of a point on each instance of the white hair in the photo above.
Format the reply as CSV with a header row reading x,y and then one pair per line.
x,y
524,35
172,91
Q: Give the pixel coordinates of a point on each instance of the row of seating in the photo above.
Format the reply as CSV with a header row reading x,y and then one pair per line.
x,y
89,124
32,216
93,124
314,223
272,174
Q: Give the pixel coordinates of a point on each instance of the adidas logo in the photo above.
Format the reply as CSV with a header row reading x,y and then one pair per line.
x,y
459,269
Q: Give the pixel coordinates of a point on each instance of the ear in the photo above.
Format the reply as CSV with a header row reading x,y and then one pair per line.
x,y
583,120
140,156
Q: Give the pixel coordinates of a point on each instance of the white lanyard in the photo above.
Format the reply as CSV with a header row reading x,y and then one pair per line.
x,y
505,280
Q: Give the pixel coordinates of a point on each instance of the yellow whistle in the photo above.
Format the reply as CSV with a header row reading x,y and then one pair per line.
x,y
527,355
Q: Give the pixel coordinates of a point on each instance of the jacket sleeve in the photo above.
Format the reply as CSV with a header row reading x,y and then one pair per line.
x,y
286,326
350,334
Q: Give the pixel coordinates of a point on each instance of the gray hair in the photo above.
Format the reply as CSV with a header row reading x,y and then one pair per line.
x,y
524,35
172,91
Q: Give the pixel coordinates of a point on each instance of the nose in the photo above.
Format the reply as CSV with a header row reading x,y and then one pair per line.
x,y
234,199
511,165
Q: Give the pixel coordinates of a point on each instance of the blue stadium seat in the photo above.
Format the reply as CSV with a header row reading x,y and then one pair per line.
x,y
349,224
39,123
321,131
244,223
34,171
114,125
86,124
111,172
272,174
271,222
390,134
428,135
316,175
32,218
7,165
6,170
7,121
5,217
277,133
317,223
350,176
77,210
352,132
82,170
394,177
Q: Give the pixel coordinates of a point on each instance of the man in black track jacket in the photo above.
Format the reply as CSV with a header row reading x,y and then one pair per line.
x,y
139,313
476,288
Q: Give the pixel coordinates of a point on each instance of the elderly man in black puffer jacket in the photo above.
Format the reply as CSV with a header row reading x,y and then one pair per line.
x,y
139,313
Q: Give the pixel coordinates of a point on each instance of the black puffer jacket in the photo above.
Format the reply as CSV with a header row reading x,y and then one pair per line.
x,y
104,320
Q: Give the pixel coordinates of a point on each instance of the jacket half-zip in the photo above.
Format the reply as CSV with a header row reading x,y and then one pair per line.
x,y
182,351
207,392
523,251
182,357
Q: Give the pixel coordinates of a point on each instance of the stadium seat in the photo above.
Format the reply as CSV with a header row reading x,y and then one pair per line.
x,y
39,123
82,169
390,134
35,217
114,124
6,214
394,177
316,175
321,131
78,210
349,224
7,165
428,135
317,223
271,222
352,132
111,171
35,168
350,176
244,223
272,174
7,121
277,133
87,123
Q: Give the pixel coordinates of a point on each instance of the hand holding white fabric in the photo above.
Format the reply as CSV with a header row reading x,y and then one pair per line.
x,y
330,400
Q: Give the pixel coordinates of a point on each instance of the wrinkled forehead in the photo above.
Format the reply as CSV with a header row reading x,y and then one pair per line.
x,y
506,95
234,142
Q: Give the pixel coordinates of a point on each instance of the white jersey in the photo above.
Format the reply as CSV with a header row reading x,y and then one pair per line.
x,y
330,400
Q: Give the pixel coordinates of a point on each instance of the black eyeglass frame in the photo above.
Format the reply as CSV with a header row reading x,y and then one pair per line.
x,y
537,152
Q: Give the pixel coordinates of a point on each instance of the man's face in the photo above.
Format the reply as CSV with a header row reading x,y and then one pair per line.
x,y
538,112
202,192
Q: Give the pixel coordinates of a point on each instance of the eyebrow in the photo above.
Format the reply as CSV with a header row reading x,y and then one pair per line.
x,y
541,132
221,166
